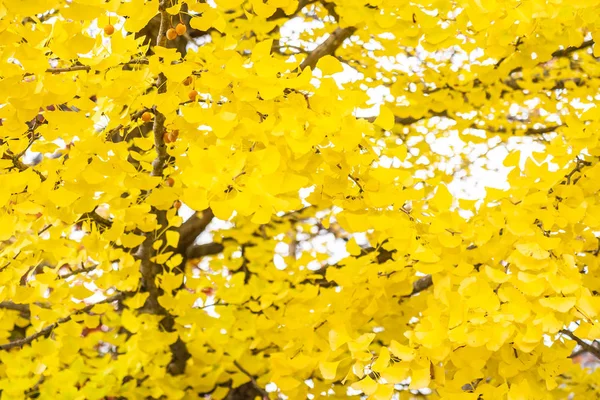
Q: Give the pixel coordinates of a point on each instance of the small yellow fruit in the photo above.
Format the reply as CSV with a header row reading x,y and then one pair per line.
x,y
146,117
169,137
109,30
192,95
171,34
180,29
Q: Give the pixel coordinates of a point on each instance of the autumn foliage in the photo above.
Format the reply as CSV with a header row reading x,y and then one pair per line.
x,y
290,199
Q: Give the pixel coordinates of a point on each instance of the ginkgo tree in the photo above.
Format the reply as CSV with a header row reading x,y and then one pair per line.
x,y
234,199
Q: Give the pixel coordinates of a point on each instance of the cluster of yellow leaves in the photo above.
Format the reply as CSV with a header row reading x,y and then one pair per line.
x,y
435,295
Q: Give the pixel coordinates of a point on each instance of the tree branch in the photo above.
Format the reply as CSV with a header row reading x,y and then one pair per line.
x,y
203,250
412,120
69,69
585,346
328,47
262,391
192,228
106,223
78,271
527,132
421,284
9,305
49,328
147,269
150,270
74,68
572,49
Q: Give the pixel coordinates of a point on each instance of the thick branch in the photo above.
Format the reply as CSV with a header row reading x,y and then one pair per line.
x,y
328,47
203,250
9,305
148,269
49,328
190,229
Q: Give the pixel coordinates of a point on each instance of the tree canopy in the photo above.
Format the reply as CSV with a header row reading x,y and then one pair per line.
x,y
234,199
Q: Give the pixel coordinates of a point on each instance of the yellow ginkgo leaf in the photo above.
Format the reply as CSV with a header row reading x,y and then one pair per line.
x,y
367,385
329,65
560,304
385,119
328,369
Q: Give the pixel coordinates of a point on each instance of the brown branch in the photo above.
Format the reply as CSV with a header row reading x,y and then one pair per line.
x,y
22,308
69,69
147,269
21,166
49,328
585,346
330,7
45,17
106,223
355,180
9,305
78,271
572,49
114,132
421,284
150,270
262,391
74,68
515,130
328,47
412,120
203,250
190,229
539,131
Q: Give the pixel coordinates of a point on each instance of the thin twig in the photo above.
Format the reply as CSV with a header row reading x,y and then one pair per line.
x,y
78,271
49,328
69,69
571,49
587,347
262,391
355,180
